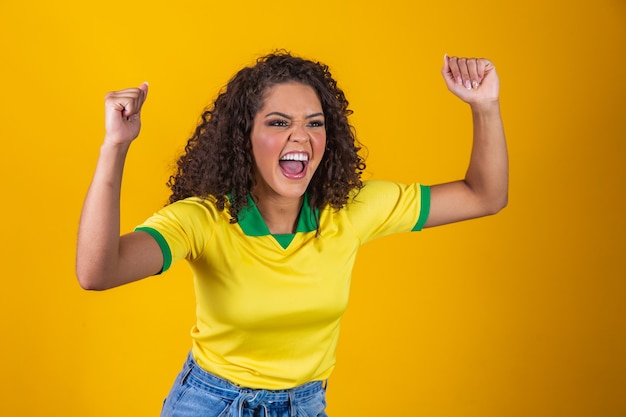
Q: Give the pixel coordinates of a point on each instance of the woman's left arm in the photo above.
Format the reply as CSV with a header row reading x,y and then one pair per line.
x,y
484,190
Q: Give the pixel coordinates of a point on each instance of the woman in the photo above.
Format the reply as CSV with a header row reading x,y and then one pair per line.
x,y
269,210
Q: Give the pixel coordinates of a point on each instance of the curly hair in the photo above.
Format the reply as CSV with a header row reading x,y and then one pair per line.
x,y
218,159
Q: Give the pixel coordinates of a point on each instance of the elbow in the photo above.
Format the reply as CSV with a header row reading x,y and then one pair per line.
x,y
497,205
90,285
505,202
91,281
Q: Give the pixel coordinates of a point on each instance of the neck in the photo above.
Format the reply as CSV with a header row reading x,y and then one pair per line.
x,y
280,214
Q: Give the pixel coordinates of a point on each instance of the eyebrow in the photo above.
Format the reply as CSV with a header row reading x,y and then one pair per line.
x,y
277,113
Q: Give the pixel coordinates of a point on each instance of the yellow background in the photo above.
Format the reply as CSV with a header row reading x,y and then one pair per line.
x,y
521,314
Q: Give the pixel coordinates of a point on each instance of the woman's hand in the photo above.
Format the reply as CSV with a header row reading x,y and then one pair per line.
x,y
122,114
473,80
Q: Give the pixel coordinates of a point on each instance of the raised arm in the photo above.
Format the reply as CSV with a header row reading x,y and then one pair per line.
x,y
103,258
484,190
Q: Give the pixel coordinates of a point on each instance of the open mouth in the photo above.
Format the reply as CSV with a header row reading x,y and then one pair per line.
x,y
293,165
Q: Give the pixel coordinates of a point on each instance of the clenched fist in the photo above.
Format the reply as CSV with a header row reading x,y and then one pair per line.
x,y
122,114
473,80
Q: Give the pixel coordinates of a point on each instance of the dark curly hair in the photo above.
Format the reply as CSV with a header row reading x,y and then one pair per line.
x,y
218,157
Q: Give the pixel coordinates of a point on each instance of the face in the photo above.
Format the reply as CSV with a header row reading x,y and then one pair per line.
x,y
288,141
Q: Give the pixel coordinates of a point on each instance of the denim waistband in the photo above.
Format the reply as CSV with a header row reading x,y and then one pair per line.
x,y
248,397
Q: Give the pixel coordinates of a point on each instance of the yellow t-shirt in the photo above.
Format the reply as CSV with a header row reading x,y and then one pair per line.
x,y
269,307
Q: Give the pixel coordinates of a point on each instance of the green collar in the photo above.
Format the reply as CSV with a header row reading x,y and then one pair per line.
x,y
252,223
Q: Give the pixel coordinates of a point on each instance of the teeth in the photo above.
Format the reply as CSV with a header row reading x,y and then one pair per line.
x,y
295,157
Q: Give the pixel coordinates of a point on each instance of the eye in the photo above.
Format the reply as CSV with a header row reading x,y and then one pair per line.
x,y
278,123
316,123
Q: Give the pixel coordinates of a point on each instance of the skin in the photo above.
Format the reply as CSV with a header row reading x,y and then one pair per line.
x,y
290,122
484,190
105,259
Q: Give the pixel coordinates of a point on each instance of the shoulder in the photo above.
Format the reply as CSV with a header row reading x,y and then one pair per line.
x,y
190,211
374,189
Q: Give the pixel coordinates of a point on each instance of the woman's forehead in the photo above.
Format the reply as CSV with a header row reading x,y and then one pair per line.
x,y
291,94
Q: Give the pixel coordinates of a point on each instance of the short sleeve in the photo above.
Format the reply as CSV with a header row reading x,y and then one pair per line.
x,y
383,207
181,229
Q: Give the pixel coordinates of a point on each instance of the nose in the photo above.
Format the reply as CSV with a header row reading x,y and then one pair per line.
x,y
299,133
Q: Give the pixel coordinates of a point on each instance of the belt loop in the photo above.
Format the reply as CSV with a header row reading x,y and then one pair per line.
x,y
293,412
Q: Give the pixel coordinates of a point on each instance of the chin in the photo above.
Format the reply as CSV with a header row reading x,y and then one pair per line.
x,y
297,193
294,190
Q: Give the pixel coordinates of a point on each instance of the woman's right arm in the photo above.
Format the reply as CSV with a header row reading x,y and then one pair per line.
x,y
104,259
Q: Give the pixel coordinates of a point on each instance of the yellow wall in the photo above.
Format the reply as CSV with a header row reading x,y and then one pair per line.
x,y
521,314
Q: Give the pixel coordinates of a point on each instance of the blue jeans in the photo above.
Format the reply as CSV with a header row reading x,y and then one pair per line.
x,y
198,393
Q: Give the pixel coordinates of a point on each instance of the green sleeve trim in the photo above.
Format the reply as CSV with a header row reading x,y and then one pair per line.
x,y
424,208
165,248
